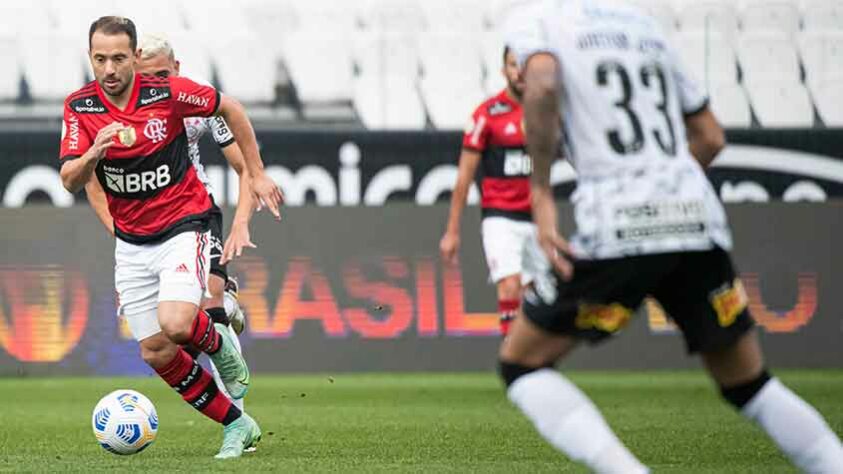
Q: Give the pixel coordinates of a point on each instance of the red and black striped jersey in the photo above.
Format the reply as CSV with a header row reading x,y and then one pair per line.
x,y
497,132
153,190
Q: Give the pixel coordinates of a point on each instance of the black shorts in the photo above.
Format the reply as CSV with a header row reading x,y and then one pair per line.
x,y
699,290
217,242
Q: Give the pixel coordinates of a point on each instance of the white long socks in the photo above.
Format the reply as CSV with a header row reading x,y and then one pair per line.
x,y
569,421
797,428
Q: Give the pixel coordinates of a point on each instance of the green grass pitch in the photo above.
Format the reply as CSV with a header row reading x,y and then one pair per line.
x,y
399,423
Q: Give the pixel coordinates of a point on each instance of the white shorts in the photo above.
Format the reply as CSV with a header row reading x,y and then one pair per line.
x,y
505,243
173,270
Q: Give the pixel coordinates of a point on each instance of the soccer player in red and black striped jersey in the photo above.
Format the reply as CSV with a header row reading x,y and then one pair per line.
x,y
128,131
494,142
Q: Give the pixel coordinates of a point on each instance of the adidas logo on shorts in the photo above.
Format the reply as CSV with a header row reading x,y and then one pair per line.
x,y
182,269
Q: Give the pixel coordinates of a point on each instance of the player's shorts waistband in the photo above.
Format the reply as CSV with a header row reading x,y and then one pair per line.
x,y
521,216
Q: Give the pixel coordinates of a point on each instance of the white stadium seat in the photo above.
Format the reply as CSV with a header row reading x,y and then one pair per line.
x,y
395,16
709,15
153,16
450,54
389,103
709,56
74,18
768,55
333,17
829,99
272,21
192,52
822,55
662,11
781,104
450,102
730,105
320,67
388,54
23,17
10,78
246,69
822,15
492,50
770,15
454,15
213,17
54,64
452,81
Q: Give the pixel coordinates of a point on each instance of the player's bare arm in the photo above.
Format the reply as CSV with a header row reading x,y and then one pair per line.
x,y
76,173
264,190
450,244
706,138
99,202
239,237
541,117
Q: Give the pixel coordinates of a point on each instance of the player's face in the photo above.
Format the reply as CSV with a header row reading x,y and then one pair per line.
x,y
113,62
513,75
161,65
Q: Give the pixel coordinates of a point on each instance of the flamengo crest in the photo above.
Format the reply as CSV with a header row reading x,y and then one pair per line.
x,y
155,129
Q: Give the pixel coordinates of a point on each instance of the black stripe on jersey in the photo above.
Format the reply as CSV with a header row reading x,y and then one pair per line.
x,y
69,158
217,104
145,176
87,90
512,215
90,104
149,95
153,80
192,223
506,162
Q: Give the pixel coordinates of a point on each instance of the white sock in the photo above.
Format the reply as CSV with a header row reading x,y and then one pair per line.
x,y
797,428
568,420
230,304
238,403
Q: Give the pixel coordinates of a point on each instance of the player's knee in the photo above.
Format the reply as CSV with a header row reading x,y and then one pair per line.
x,y
512,371
739,395
156,352
510,288
177,330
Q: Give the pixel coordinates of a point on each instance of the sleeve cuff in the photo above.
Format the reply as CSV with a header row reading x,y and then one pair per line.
x,y
696,110
216,104
69,158
226,143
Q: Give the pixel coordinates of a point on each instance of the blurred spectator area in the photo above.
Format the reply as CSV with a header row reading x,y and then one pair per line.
x,y
418,64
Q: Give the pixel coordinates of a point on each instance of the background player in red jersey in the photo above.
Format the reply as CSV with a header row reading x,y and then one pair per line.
x,y
495,138
128,129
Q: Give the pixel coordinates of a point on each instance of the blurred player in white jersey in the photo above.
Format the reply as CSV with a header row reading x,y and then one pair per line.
x,y
158,59
639,132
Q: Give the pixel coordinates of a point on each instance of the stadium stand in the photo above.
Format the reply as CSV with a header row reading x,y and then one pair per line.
x,y
313,60
710,15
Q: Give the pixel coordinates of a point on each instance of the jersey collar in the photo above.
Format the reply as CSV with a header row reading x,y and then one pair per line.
x,y
503,96
133,97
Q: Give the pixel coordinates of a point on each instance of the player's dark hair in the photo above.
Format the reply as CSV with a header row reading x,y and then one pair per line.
x,y
114,25
506,51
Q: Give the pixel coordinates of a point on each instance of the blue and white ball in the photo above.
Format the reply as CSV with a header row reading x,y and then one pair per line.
x,y
125,422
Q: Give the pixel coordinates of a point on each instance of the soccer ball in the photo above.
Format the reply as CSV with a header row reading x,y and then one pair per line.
x,y
125,422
